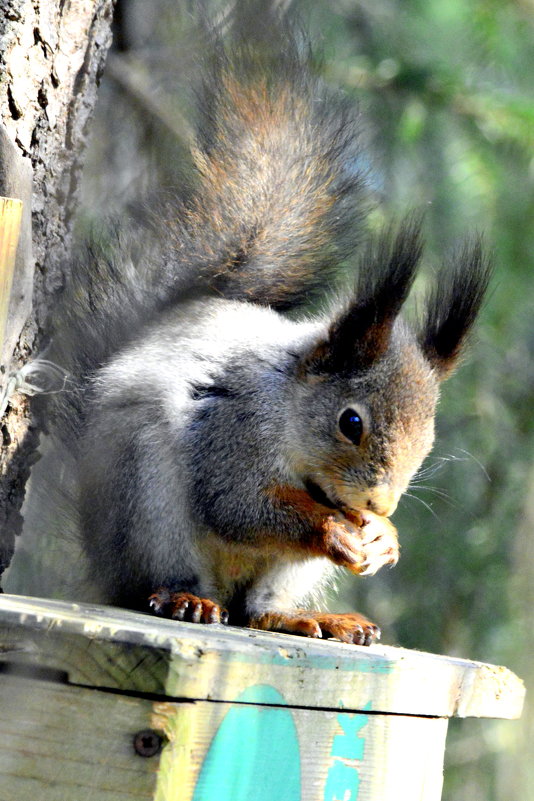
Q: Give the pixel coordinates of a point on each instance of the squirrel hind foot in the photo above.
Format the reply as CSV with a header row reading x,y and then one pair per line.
x,y
186,606
351,628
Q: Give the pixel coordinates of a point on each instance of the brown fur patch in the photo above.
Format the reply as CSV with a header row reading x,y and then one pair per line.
x,y
358,540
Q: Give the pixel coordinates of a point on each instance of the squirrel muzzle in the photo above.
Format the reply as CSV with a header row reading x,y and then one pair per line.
x,y
381,499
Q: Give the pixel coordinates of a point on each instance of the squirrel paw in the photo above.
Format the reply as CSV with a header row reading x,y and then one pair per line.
x,y
185,606
352,628
361,541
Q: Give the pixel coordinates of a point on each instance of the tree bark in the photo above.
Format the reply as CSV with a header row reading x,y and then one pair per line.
x,y
52,54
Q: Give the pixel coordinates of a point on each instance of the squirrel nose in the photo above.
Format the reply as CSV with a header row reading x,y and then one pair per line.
x,y
383,499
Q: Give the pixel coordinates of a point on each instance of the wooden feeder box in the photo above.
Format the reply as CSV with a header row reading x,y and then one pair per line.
x,y
101,703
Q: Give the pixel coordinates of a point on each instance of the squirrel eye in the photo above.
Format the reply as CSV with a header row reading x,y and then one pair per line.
x,y
351,426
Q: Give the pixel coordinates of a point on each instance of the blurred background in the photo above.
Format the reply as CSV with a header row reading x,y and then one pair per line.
x,y
447,99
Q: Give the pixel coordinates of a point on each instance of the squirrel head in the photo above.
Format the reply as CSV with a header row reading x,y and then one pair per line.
x,y
368,388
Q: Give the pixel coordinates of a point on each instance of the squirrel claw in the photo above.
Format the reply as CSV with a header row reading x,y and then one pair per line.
x,y
186,606
351,628
377,555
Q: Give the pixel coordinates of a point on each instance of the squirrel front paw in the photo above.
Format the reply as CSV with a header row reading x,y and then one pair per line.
x,y
185,606
352,628
361,541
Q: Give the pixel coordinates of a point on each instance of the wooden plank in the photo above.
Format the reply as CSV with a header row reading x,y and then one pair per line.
x,y
10,219
63,743
107,647
236,752
16,176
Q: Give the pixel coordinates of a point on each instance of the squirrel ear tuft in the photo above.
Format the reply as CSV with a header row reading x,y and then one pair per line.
x,y
360,334
452,306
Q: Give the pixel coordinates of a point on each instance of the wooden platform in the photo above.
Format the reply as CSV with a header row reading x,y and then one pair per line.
x,y
101,703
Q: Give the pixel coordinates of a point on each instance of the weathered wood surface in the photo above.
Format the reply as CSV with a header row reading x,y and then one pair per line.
x,y
16,183
240,714
105,647
242,751
10,219
63,743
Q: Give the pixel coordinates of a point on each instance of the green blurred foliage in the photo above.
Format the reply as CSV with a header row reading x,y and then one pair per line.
x,y
445,90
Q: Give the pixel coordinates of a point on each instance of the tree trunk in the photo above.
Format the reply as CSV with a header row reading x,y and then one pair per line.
x,y
52,54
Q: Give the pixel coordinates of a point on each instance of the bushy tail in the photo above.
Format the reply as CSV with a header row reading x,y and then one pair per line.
x,y
272,207
279,180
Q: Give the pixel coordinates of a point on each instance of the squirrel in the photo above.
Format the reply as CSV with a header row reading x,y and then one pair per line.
x,y
232,449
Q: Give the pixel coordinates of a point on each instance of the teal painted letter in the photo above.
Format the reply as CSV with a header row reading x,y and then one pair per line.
x,y
254,754
350,744
343,779
342,783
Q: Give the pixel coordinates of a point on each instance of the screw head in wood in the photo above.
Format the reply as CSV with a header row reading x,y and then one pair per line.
x,y
147,743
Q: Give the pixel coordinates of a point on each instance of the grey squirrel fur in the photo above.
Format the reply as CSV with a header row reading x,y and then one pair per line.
x,y
203,411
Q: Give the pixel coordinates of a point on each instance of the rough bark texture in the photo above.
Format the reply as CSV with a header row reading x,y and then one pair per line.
x,y
52,54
